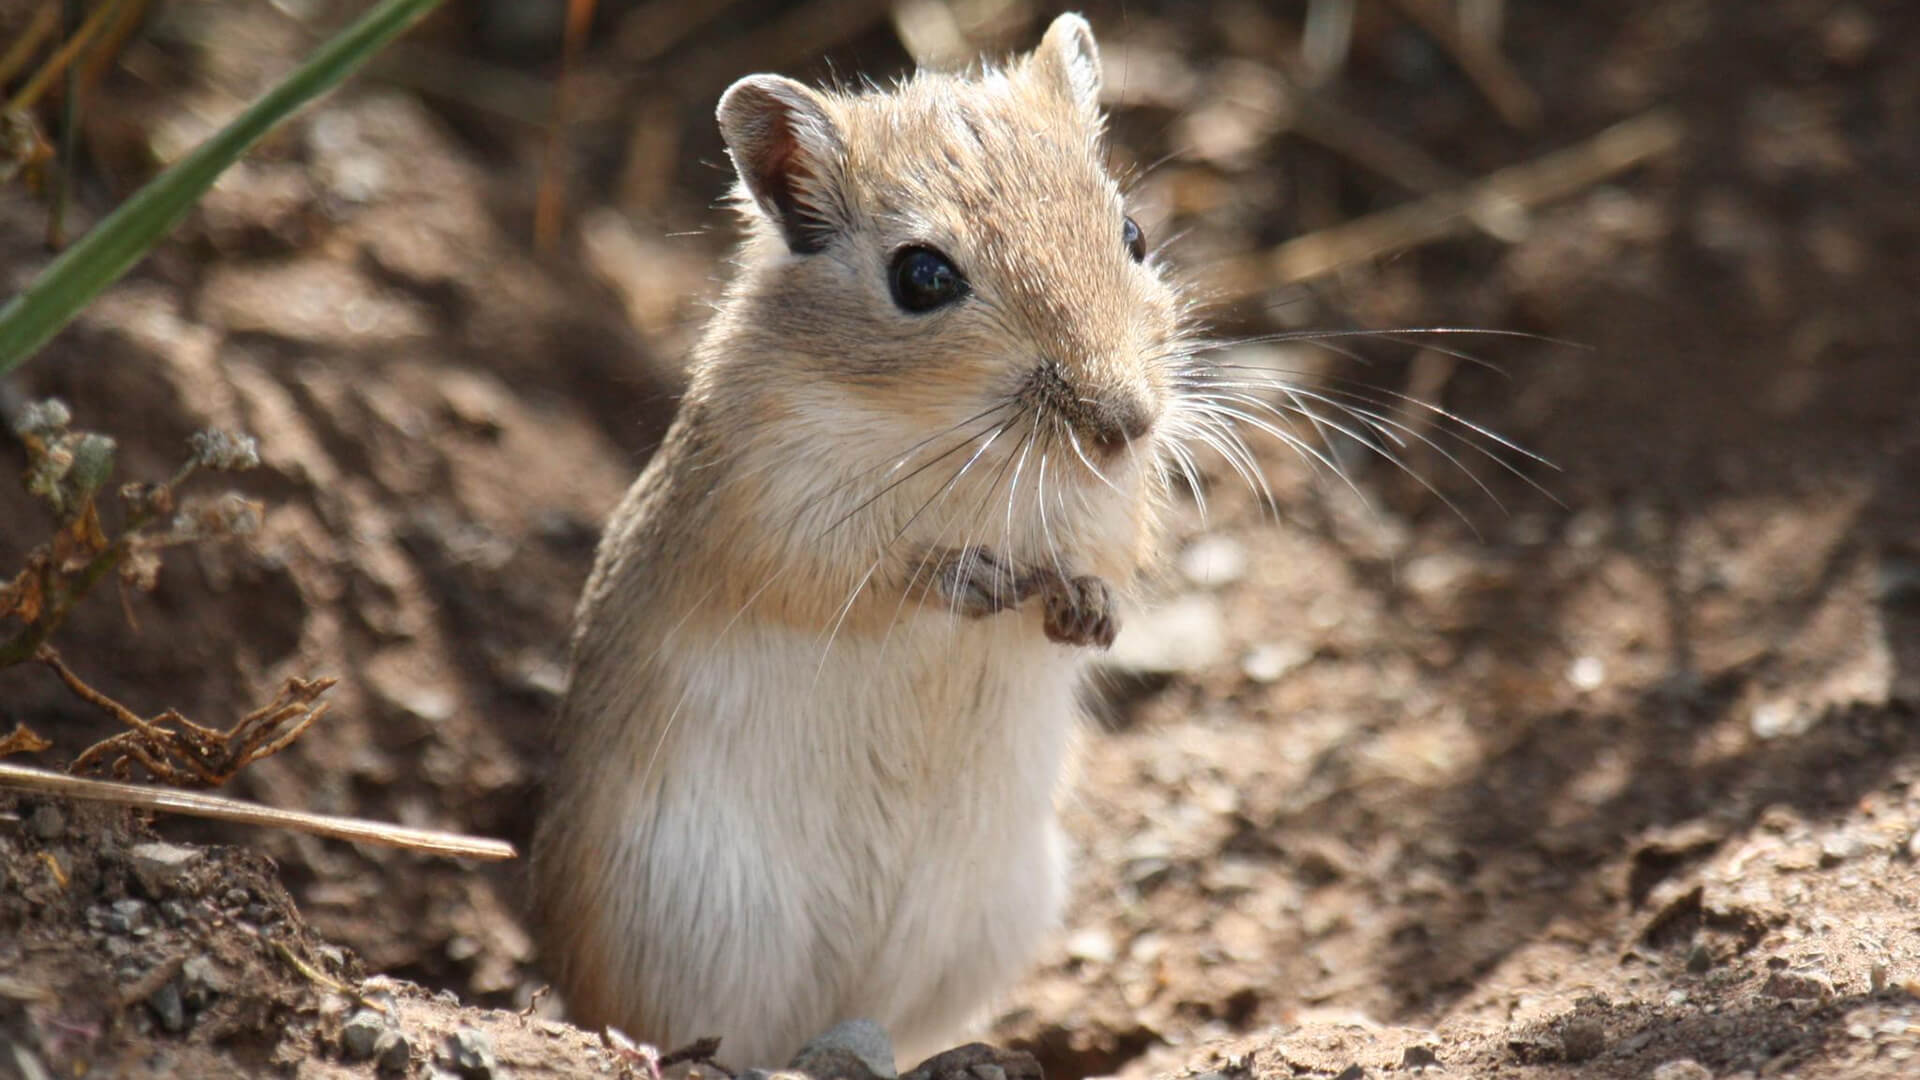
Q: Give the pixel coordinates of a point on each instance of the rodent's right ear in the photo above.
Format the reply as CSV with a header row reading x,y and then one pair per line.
x,y
788,152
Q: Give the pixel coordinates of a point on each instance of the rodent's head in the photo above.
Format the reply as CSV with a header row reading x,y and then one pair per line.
x,y
941,291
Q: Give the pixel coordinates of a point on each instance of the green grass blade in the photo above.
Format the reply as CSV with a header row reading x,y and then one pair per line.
x,y
127,234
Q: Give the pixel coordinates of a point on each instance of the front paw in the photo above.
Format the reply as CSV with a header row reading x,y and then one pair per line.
x,y
975,582
1080,612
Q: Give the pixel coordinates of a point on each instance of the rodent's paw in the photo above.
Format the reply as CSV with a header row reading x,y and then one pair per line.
x,y
977,1061
1080,612
977,582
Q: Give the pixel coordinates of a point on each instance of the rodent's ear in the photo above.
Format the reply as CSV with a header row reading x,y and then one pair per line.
x,y
1068,58
787,151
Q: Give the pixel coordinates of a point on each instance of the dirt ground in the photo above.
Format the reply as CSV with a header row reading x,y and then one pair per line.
x,y
1437,773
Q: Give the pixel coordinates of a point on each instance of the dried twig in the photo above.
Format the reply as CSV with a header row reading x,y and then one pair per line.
x,y
178,751
220,808
1517,188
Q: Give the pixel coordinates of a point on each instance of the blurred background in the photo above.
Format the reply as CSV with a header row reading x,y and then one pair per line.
x,y
1411,750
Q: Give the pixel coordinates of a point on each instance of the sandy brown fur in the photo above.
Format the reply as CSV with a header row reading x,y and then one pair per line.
x,y
766,518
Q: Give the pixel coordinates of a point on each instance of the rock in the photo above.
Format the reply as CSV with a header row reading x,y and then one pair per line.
x,y
1213,561
159,865
855,1049
1774,719
168,1008
471,1054
977,1061
1809,985
1093,945
1582,1038
1682,1069
360,1036
1699,960
127,916
1419,1057
47,822
202,971
391,1052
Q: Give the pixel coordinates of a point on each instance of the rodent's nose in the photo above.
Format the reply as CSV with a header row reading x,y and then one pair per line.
x,y
1115,422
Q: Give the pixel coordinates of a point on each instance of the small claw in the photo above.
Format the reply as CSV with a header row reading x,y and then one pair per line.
x,y
1080,612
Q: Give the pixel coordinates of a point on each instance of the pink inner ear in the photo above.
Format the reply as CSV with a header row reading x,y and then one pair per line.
x,y
780,169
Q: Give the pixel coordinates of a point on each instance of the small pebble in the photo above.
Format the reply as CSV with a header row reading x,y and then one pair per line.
x,y
47,822
127,916
1582,1038
1093,945
391,1052
1840,847
159,865
471,1054
168,1008
1812,985
360,1036
202,971
1773,719
849,1047
1700,960
1419,1057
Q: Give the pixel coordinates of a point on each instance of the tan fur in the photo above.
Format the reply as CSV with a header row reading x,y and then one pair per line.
x,y
792,785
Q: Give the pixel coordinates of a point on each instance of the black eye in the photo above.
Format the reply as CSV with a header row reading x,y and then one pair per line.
x,y
924,279
1135,240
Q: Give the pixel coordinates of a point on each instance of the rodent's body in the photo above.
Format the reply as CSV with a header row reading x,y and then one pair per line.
x,y
807,766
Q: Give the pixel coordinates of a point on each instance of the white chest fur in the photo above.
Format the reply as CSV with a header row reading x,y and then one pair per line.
x,y
865,830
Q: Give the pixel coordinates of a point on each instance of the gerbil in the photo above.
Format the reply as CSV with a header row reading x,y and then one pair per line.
x,y
825,669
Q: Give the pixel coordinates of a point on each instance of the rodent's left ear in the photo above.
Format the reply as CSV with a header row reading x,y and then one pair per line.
x,y
788,152
1068,58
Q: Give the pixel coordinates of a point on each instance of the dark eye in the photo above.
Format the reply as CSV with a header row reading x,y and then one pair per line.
x,y
924,279
1135,240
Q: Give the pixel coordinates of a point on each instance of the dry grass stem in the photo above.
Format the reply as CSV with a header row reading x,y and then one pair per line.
x,y
1500,195
221,808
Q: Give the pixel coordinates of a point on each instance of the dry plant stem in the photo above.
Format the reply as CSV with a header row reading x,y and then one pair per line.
x,y
221,808
1520,187
550,199
58,62
1366,144
211,755
30,39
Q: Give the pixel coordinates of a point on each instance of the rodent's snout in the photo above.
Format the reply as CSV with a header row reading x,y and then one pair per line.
x,y
1105,420
1112,422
